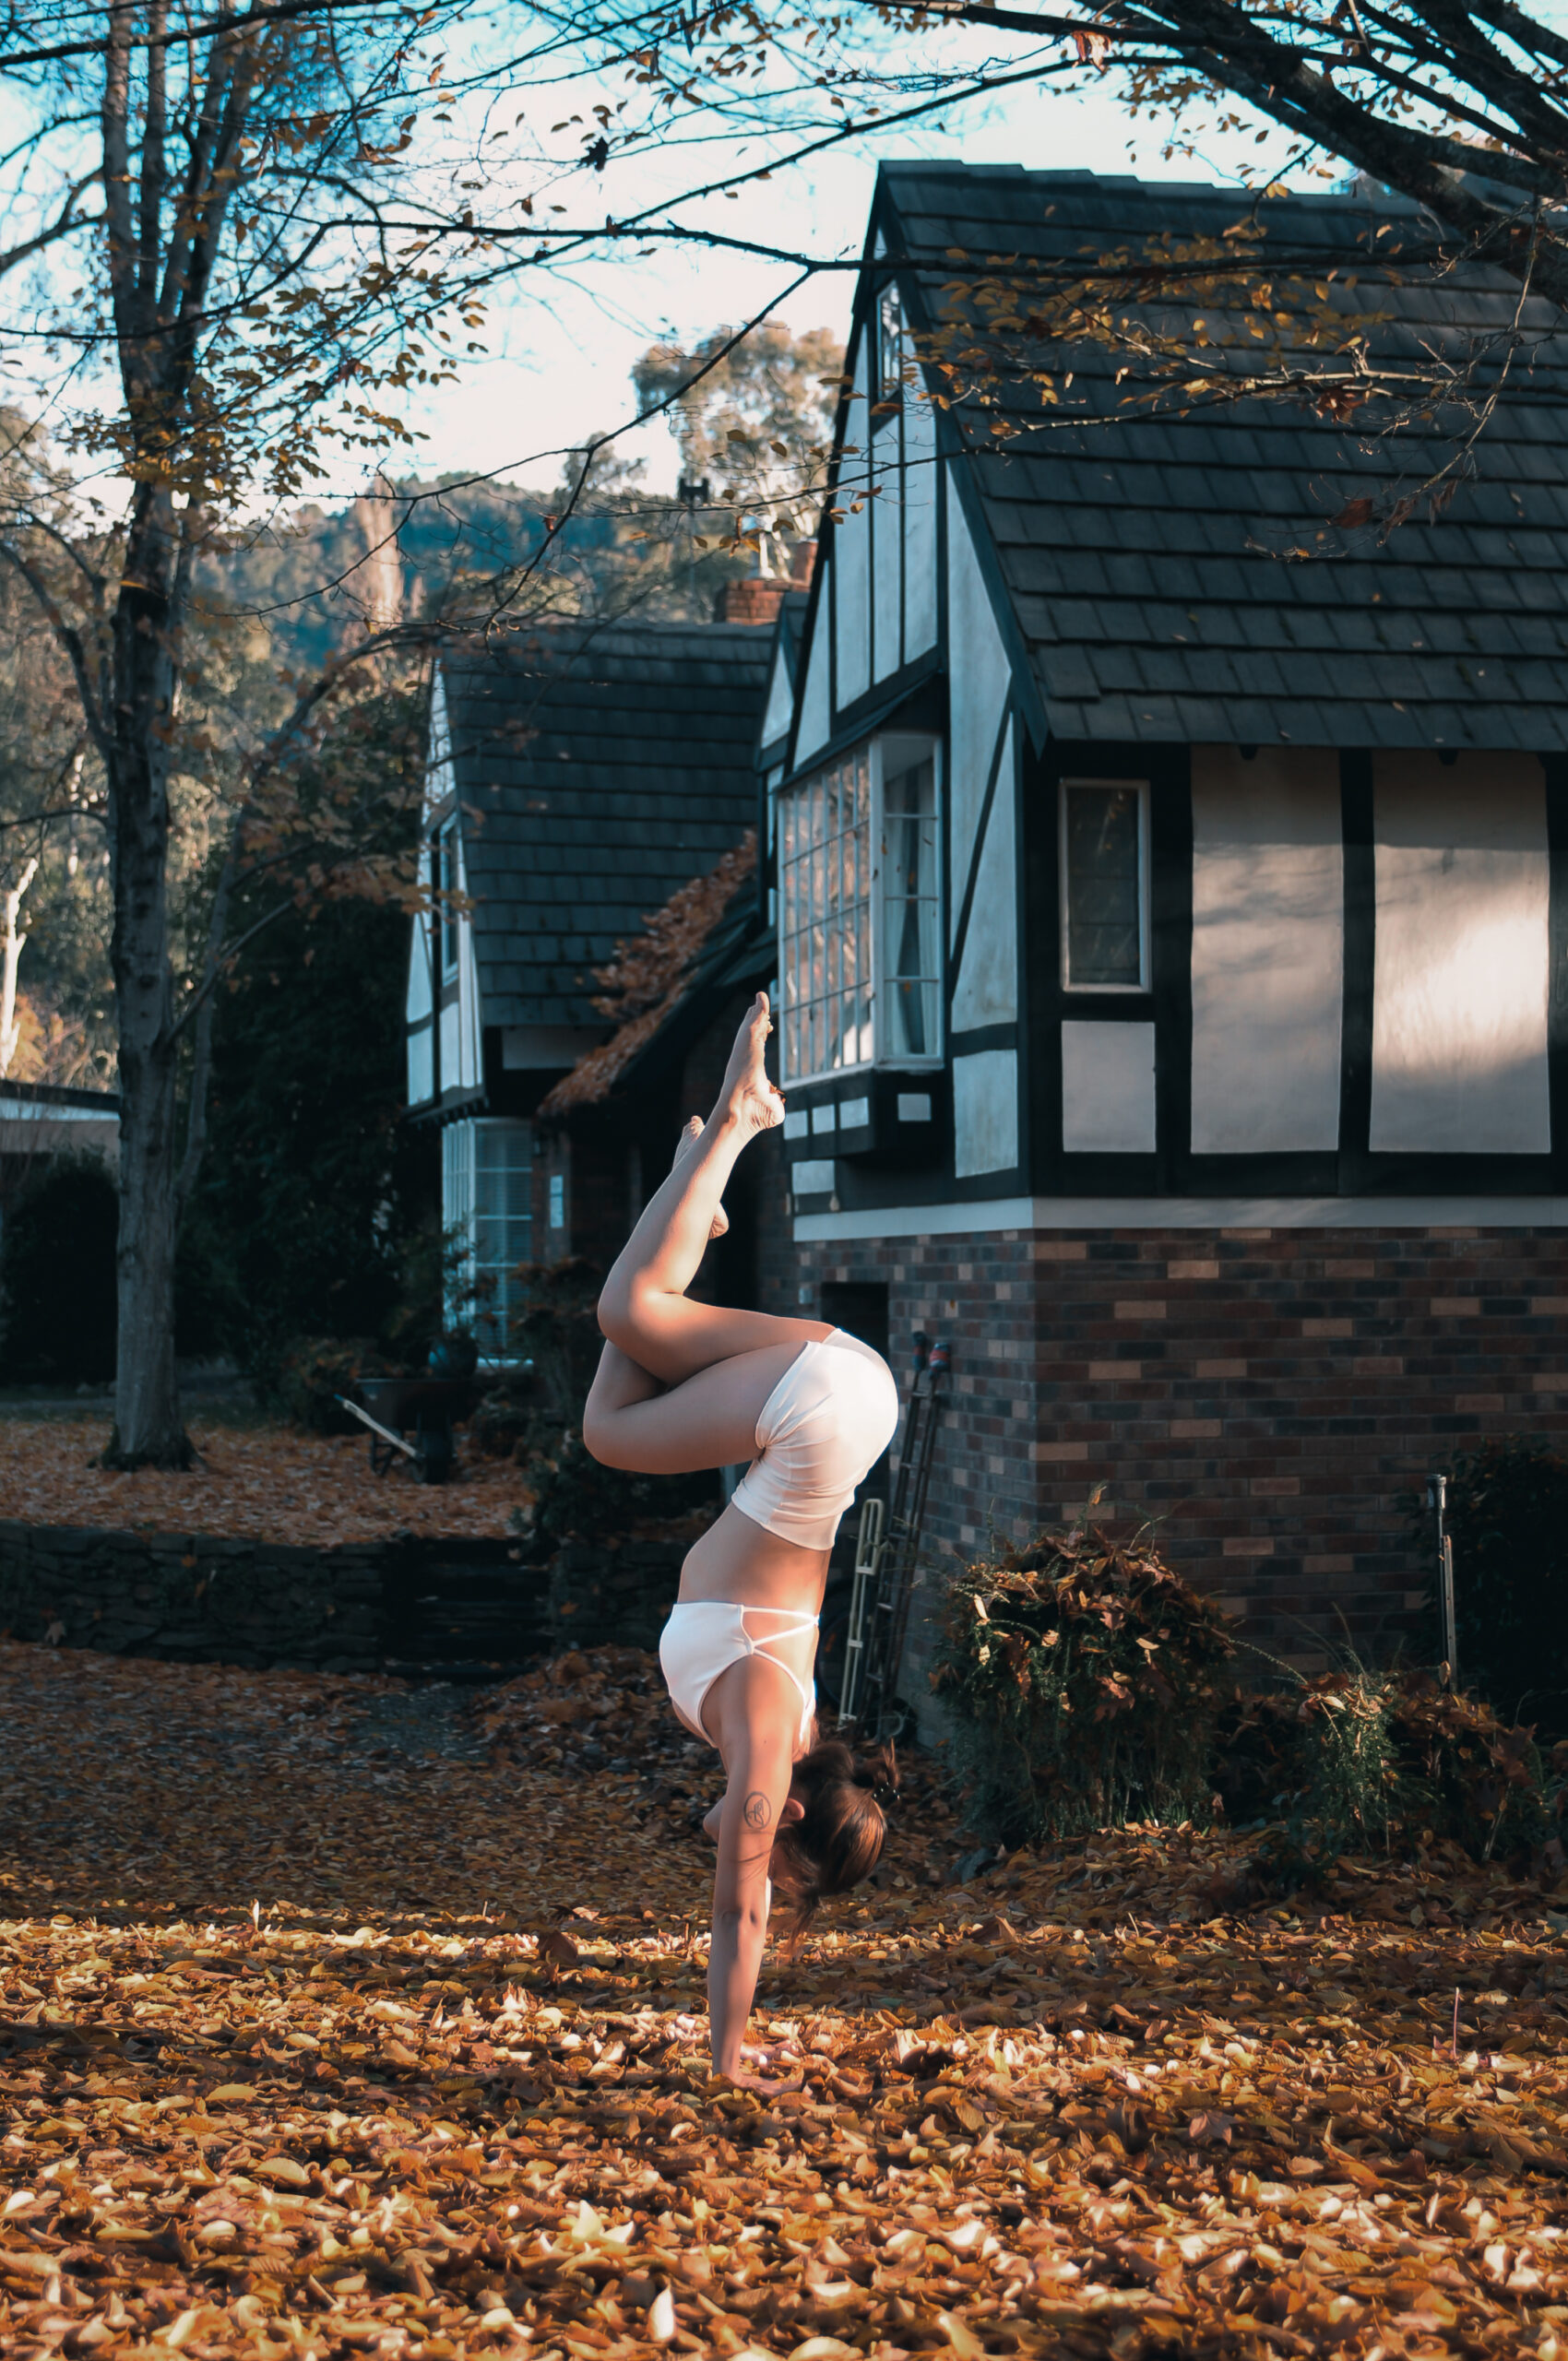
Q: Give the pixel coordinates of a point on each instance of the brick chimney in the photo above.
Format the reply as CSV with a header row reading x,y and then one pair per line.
x,y
758,599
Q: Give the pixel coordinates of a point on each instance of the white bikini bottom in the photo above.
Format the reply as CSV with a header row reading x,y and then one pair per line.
x,y
705,1636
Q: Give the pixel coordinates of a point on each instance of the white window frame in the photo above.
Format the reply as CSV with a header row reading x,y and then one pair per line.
x,y
889,755
892,345
1141,789
459,1206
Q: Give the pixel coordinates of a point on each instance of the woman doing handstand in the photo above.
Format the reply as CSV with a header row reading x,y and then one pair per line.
x,y
681,1386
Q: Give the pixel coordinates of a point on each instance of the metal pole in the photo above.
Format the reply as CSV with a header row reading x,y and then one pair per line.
x,y
1437,1499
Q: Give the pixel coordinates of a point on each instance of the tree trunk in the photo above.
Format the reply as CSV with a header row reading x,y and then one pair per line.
x,y
149,1430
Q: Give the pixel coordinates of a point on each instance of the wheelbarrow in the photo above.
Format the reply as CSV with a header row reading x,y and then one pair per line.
x,y
431,1405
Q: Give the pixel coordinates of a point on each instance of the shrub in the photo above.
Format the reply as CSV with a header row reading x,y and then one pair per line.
x,y
1083,1680
57,1273
506,1421
1508,1516
1355,1761
1317,1757
316,1370
556,1328
577,1499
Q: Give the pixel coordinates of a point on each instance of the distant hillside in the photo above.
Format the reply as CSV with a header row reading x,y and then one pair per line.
x,y
416,547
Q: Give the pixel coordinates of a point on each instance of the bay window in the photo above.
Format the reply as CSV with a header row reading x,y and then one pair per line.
x,y
859,913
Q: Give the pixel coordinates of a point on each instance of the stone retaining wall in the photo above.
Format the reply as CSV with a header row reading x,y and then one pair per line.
x,y
621,1595
197,1597
407,1602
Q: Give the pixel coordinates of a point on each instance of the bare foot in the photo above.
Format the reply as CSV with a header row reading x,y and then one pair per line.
x,y
746,1097
690,1135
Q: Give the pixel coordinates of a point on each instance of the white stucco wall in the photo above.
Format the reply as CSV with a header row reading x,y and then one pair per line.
x,y
985,1112
816,717
780,700
1107,1087
469,1070
422,1067
416,999
978,686
987,988
888,551
851,549
1461,969
920,526
1268,948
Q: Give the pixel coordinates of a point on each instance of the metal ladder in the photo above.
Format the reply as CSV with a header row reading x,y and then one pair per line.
x,y
886,1554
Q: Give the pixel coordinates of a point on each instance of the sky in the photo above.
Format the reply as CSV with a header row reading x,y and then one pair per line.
x,y
560,349
559,369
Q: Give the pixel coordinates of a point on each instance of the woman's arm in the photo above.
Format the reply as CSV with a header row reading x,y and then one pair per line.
x,y
757,1794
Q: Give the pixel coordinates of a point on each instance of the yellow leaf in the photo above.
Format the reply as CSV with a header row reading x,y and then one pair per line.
x,y
964,2342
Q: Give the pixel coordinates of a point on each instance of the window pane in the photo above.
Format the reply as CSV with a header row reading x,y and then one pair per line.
x,y
825,920
503,1225
1104,900
911,941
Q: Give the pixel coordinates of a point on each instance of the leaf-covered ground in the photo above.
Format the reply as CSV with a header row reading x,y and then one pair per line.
x,y
443,2088
270,1482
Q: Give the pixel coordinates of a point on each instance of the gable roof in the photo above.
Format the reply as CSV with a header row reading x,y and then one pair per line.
x,y
697,944
598,769
1141,554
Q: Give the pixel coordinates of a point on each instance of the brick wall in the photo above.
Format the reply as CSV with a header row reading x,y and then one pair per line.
x,y
1269,1395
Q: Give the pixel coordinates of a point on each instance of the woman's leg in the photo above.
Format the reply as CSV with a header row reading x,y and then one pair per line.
x,y
710,1420
644,1308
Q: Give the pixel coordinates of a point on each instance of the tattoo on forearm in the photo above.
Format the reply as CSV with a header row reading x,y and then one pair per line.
x,y
758,1811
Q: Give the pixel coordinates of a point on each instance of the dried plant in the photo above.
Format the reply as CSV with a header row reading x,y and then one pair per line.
x,y
1082,1679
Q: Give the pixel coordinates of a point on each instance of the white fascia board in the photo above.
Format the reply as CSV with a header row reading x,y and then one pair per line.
x,y
992,1215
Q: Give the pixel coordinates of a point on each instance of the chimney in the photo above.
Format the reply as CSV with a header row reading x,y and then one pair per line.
x,y
758,599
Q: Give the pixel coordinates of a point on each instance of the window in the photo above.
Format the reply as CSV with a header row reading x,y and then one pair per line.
x,y
892,347
487,1206
911,961
824,872
447,875
1104,854
859,913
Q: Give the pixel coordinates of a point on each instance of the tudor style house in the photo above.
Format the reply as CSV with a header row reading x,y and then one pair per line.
x,y
1168,876
578,774
1162,877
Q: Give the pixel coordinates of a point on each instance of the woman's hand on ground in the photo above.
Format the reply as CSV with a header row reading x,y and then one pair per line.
x,y
763,2084
771,2053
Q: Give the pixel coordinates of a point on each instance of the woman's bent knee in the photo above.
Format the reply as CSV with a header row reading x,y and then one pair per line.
x,y
623,1320
600,1429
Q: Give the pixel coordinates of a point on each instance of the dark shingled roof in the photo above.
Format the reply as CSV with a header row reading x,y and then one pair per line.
x,y
600,767
1141,554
